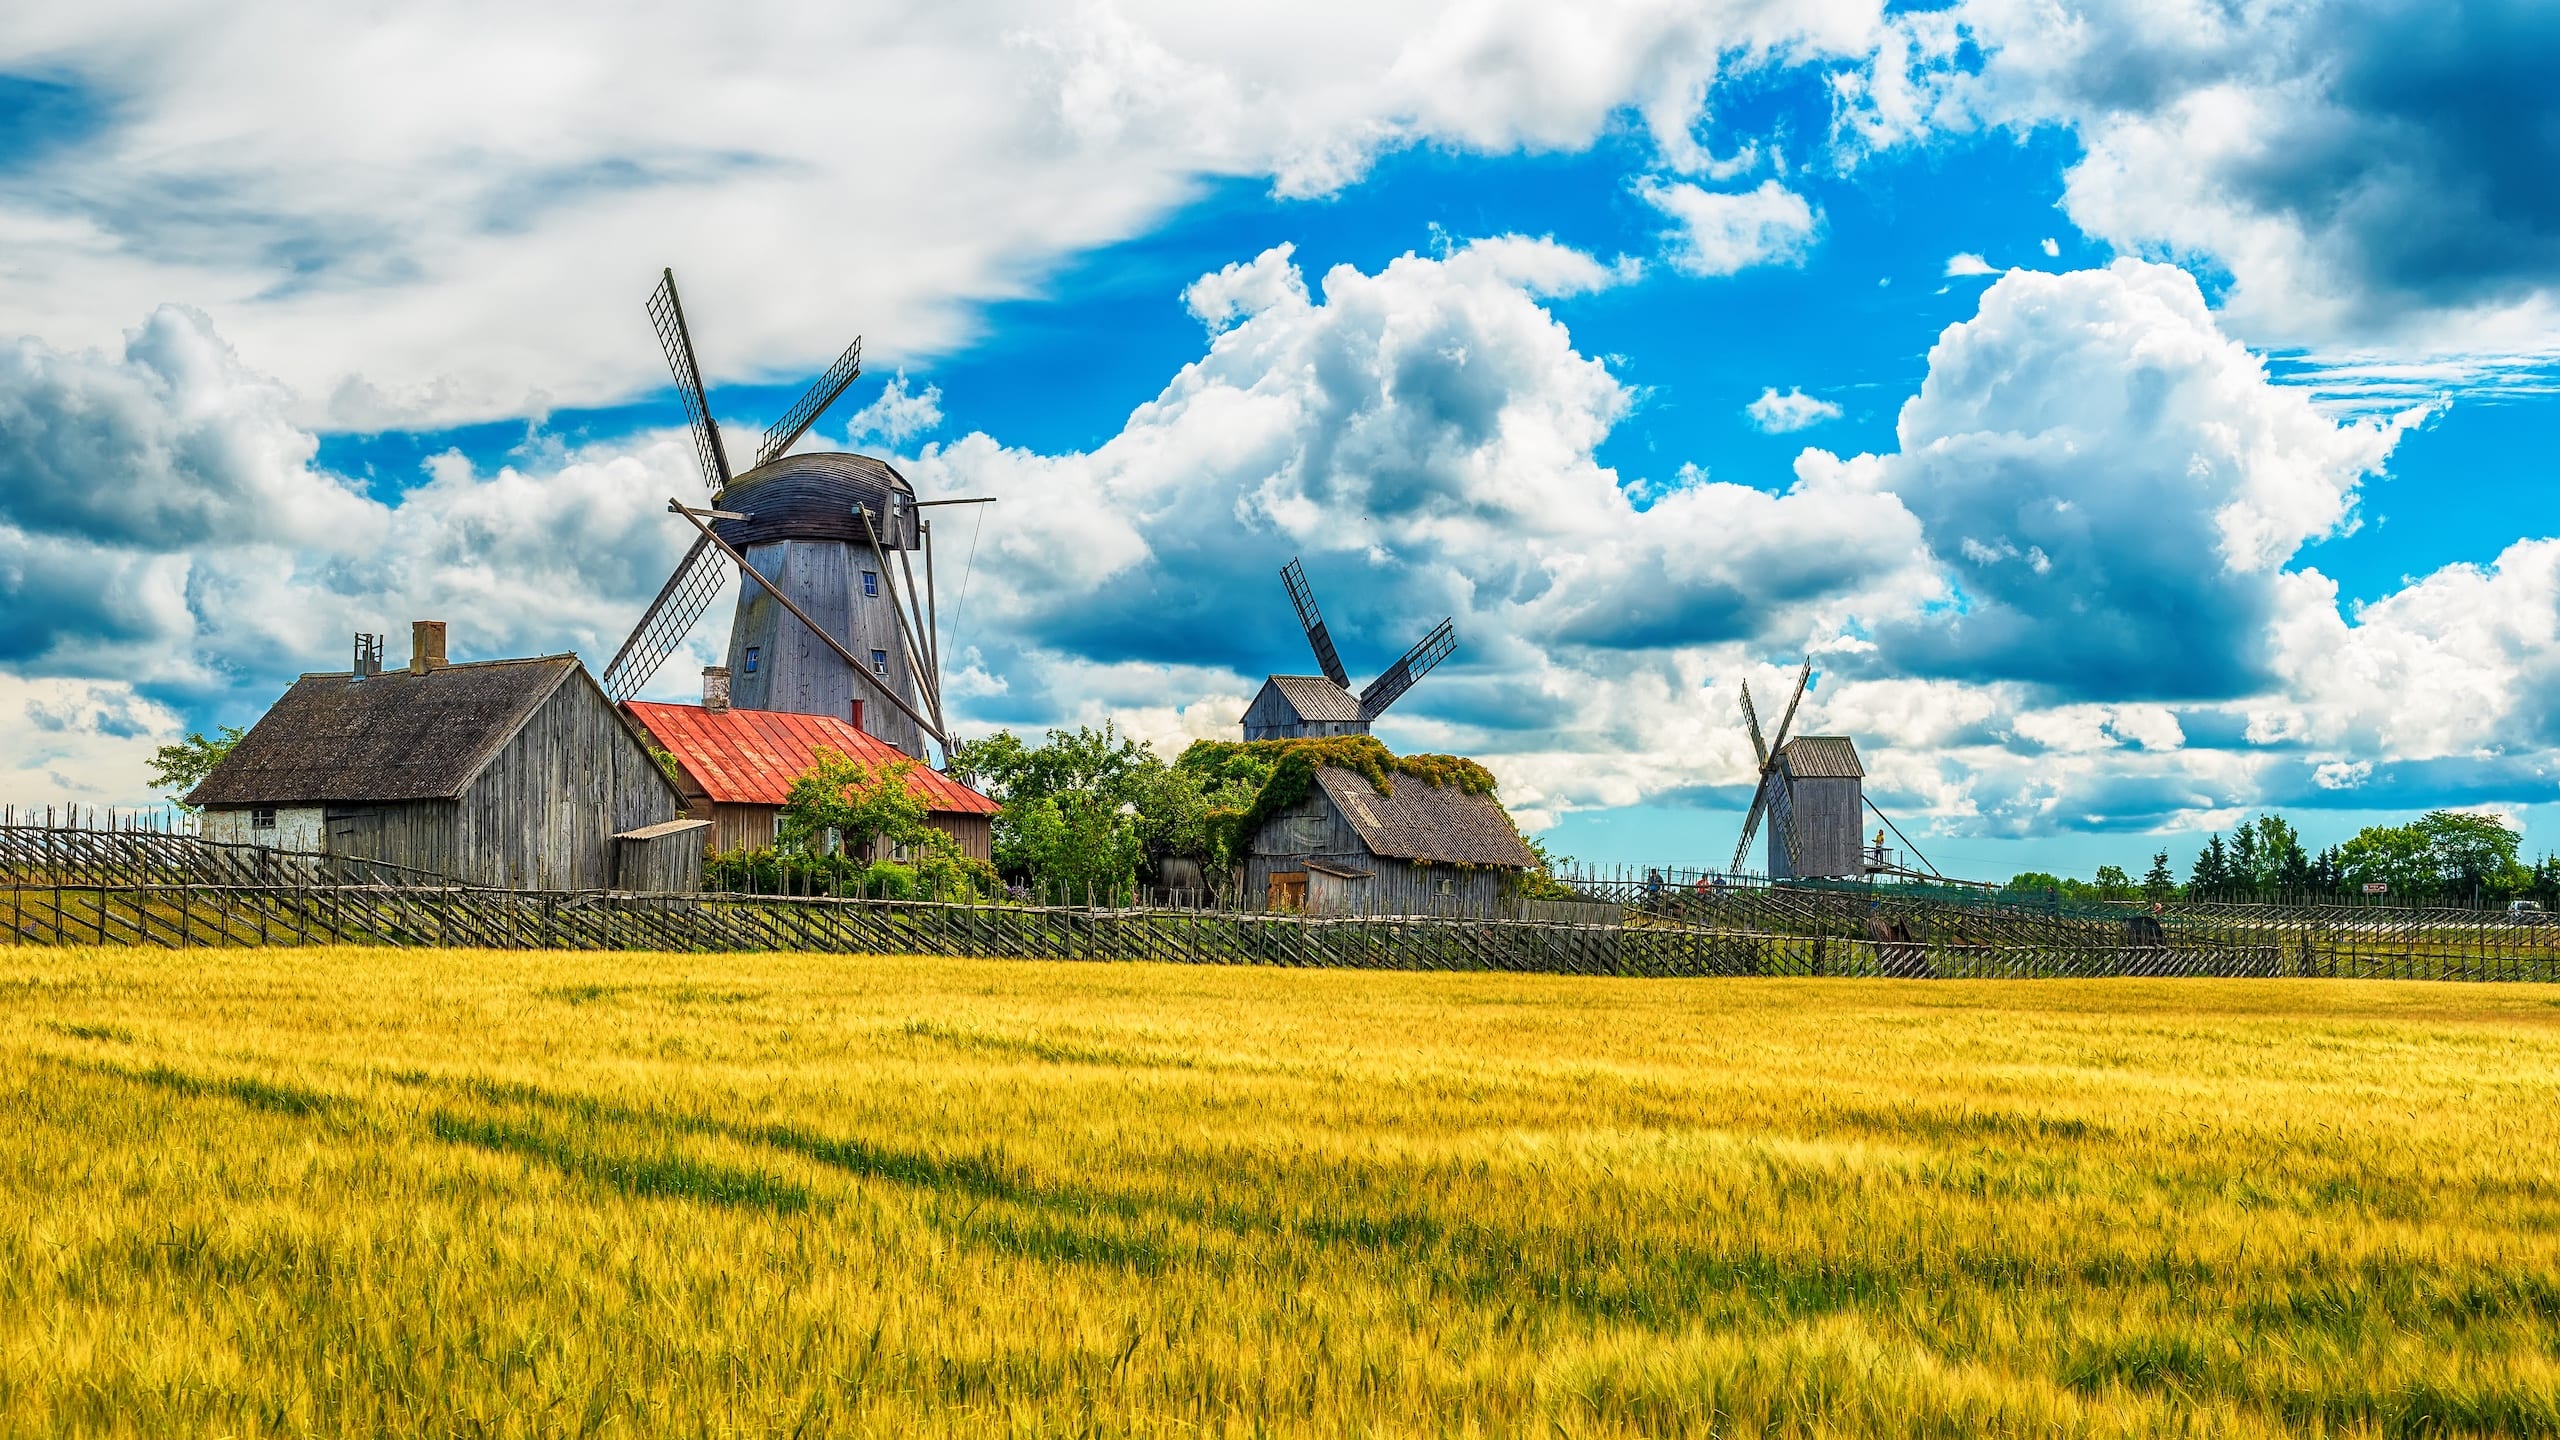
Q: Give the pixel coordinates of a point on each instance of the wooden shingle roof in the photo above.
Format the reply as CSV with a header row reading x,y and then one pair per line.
x,y
750,757
1821,757
1315,698
1422,821
389,737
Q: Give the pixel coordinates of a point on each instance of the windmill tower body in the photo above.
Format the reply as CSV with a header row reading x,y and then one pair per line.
x,y
1823,799
805,535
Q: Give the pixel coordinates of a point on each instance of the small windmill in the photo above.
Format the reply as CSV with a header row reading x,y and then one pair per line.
x,y
1292,706
826,621
1811,790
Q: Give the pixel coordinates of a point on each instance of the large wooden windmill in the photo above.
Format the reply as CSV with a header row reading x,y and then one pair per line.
x,y
1811,791
830,618
1290,706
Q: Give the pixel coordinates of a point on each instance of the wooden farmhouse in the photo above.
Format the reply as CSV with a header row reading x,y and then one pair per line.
x,y
735,768
1346,849
1825,789
507,773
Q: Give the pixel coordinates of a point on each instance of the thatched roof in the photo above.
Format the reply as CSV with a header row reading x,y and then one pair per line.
x,y
388,737
1442,824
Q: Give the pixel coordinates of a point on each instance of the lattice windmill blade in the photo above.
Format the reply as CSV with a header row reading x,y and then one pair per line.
x,y
1319,639
1794,700
1782,814
1750,825
1751,720
666,312
1409,667
681,601
805,411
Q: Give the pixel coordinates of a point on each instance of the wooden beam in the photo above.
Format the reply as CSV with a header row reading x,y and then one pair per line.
x,y
859,668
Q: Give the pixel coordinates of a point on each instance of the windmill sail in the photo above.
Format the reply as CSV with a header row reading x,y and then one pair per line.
x,y
1319,639
681,601
666,312
1413,665
805,412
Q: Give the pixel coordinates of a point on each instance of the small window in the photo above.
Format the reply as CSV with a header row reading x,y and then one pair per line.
x,y
879,662
262,818
752,653
870,583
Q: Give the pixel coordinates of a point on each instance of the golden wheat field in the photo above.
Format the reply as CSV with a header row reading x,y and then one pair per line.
x,y
375,1192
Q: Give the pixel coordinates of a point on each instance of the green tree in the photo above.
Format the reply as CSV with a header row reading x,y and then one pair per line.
x,y
1071,844
2159,882
2395,856
2211,874
2240,871
2112,883
841,802
2474,855
181,767
1085,810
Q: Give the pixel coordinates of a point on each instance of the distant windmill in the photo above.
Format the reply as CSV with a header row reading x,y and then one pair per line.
x,y
1812,792
829,612
1291,706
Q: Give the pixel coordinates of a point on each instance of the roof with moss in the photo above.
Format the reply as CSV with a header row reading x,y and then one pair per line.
x,y
1434,824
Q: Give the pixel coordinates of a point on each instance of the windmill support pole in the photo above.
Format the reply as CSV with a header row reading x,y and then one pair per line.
x,y
915,607
932,616
896,701
906,632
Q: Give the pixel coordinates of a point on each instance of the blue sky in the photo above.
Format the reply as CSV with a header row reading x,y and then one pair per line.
x,y
2133,452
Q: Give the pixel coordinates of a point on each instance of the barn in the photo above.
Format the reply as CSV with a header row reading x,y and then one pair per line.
x,y
735,768
507,773
1346,849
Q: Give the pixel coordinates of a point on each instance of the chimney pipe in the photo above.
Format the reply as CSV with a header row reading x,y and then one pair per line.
x,y
857,714
715,688
426,646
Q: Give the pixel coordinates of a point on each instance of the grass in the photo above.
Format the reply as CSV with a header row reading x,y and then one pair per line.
x,y
367,1191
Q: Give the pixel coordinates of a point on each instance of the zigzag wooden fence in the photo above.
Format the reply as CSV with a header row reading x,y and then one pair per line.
x,y
189,915
150,888
2313,939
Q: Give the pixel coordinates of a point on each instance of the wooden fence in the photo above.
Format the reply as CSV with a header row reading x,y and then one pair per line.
x,y
2314,939
72,887
187,915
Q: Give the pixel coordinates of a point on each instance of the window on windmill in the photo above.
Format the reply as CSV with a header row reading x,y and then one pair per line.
x,y
870,583
879,662
262,818
753,653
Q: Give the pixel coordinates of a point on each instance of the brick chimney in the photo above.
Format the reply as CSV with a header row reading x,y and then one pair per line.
x,y
715,688
426,646
857,714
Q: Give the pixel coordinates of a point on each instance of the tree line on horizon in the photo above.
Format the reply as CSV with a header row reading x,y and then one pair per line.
x,y
2444,857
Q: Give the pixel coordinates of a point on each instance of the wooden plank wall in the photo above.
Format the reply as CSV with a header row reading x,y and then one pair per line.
x,y
1827,813
543,814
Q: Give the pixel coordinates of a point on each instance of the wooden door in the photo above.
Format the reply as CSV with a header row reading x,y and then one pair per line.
x,y
1288,890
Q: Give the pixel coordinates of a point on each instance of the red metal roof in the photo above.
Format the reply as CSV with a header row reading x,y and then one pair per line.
x,y
750,757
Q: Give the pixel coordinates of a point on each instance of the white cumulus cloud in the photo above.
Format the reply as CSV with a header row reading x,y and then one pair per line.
x,y
1779,414
1719,232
